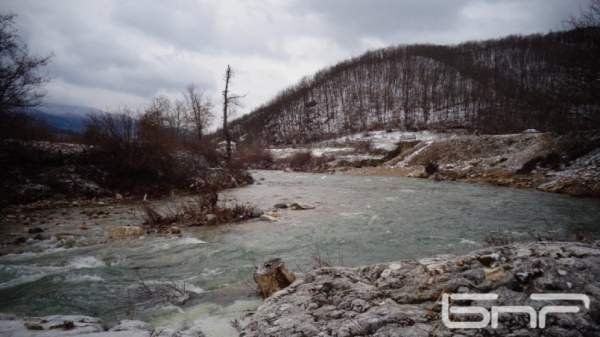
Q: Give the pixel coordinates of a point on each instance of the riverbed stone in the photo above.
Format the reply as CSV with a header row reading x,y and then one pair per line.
x,y
296,206
211,219
273,276
84,326
126,232
402,299
270,216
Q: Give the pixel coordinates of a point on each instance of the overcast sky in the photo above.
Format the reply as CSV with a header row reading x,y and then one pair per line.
x,y
109,53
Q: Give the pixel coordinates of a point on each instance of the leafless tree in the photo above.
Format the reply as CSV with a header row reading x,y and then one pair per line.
x,y
229,101
177,117
199,110
20,85
544,81
152,124
20,78
113,131
589,17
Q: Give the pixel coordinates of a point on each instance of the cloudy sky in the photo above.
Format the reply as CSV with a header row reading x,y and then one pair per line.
x,y
109,53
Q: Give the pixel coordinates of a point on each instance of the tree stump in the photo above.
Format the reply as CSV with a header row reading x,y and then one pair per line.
x,y
272,276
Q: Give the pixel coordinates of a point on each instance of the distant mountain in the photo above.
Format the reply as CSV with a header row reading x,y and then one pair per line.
x,y
63,117
548,82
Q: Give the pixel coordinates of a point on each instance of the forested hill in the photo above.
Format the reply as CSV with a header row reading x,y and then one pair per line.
x,y
549,82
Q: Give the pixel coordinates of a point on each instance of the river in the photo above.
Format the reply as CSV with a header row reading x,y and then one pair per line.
x,y
357,220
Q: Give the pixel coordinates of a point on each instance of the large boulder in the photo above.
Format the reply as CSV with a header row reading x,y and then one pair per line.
x,y
272,276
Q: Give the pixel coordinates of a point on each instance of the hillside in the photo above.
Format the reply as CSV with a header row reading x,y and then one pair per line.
x,y
547,82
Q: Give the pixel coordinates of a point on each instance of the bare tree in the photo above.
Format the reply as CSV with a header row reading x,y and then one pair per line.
x,y
20,84
589,17
229,101
20,80
177,117
151,125
199,110
113,131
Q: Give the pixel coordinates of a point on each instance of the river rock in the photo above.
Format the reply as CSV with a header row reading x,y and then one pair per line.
x,y
256,212
270,216
84,326
298,206
280,205
402,299
568,185
126,232
211,219
174,230
35,230
272,276
417,172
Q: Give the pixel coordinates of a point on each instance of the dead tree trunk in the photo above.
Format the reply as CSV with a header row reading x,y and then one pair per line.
x,y
226,102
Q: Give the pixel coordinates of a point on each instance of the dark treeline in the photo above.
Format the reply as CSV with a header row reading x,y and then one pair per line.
x,y
548,82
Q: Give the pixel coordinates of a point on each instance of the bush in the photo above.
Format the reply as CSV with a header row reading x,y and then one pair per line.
x,y
254,155
136,162
18,125
431,168
363,146
300,160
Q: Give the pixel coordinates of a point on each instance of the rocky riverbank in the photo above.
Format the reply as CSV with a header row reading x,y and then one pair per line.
x,y
85,326
404,298
48,174
549,162
567,164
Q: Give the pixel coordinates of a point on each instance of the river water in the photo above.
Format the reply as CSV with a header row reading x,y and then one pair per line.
x,y
357,220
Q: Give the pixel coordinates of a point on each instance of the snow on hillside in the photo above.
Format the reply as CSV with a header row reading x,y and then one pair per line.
x,y
348,147
387,141
282,153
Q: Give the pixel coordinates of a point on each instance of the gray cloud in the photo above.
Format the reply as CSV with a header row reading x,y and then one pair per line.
x,y
113,52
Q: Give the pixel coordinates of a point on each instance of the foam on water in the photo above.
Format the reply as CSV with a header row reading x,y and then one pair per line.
x,y
82,262
212,319
83,278
175,242
189,241
468,242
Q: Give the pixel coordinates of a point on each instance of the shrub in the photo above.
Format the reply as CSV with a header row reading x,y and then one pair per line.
x,y
300,160
18,125
431,168
253,155
134,162
363,146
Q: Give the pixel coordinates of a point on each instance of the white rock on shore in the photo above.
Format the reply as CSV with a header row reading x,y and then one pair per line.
x,y
84,326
